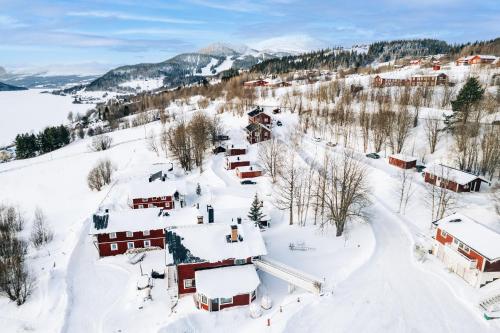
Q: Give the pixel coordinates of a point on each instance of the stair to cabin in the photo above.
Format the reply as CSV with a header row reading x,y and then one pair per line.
x,y
172,286
485,304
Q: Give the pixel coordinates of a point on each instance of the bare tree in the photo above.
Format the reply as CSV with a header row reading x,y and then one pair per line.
x,y
272,158
346,191
286,188
180,146
495,194
432,133
200,130
100,175
164,141
490,151
11,218
100,142
438,198
404,189
399,129
152,143
41,233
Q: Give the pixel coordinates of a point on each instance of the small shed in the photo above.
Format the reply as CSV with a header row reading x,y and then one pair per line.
x,y
248,172
232,162
403,161
235,150
219,149
452,179
225,287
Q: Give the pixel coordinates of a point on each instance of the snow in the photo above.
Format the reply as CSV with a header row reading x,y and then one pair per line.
x,y
144,189
226,281
143,84
238,158
449,173
247,168
208,241
473,234
31,110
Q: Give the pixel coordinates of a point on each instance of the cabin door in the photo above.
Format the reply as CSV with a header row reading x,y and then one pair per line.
x,y
214,304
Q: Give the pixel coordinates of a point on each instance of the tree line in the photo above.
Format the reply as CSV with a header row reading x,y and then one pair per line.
x,y
51,138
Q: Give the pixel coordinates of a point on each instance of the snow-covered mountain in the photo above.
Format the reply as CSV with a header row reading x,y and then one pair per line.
x,y
185,68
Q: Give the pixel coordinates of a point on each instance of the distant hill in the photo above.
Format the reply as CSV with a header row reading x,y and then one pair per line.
x,y
9,87
183,69
491,47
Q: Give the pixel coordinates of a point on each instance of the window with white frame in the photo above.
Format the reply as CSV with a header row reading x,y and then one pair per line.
x,y
240,261
144,200
141,206
145,232
147,243
130,245
114,247
189,283
228,300
112,235
163,198
444,233
167,205
130,234
203,299
150,205
464,247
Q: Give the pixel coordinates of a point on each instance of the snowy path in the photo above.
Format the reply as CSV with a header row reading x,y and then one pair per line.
x,y
389,294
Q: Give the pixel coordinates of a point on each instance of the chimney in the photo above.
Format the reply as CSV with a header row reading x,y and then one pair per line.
x,y
234,233
238,158
238,220
232,146
251,168
200,219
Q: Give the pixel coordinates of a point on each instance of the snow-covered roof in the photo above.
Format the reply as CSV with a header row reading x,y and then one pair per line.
x,y
473,234
482,56
404,158
145,219
226,281
248,168
208,241
233,146
239,158
144,189
443,171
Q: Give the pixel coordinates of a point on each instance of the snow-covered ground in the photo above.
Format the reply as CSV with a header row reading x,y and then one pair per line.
x,y
374,283
30,110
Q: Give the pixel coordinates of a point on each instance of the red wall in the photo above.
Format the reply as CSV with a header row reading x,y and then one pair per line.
x,y
186,271
156,201
402,164
471,255
250,174
156,237
234,165
451,185
235,151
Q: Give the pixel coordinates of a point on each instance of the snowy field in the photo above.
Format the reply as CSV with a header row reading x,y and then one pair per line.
x,y
374,283
30,110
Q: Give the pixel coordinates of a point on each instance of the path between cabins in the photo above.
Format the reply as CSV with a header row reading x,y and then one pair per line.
x,y
390,293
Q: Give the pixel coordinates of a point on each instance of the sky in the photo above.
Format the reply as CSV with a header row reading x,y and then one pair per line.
x,y
95,35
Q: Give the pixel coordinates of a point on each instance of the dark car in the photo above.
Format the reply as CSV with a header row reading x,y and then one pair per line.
x,y
420,167
248,182
373,155
279,123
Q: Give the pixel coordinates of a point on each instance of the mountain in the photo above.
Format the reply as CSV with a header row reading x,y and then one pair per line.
x,y
8,87
185,68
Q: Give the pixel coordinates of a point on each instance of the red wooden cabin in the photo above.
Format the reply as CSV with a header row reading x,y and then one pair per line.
x,y
402,161
255,83
209,247
235,151
232,162
257,133
475,59
468,248
259,116
452,179
117,232
248,172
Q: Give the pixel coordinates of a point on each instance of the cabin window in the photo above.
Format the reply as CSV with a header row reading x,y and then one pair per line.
x,y
130,234
112,235
145,233
163,198
114,246
147,243
189,283
151,206
144,200
130,245
444,233
240,261
224,300
464,247
203,299
141,206
455,241
167,205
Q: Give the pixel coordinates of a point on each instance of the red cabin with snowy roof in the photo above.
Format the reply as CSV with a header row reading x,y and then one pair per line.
x,y
402,161
248,172
213,262
468,248
157,192
452,179
232,162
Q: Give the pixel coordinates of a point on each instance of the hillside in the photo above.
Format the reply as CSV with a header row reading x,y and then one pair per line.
x,y
9,87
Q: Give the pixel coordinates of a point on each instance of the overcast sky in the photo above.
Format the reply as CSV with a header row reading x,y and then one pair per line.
x,y
102,33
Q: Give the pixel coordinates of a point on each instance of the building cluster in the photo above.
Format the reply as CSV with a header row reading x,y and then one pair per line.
x,y
434,79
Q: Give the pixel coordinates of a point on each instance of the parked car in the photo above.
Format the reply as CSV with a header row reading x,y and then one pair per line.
x,y
317,139
331,144
373,155
420,167
248,182
279,123
276,111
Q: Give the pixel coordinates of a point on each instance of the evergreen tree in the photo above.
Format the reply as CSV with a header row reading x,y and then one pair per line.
x,y
470,94
198,189
255,214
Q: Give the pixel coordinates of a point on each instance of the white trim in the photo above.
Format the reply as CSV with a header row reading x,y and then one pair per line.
x,y
114,246
112,235
147,243
224,303
192,283
129,234
146,233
